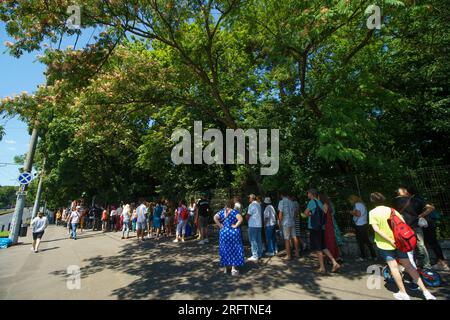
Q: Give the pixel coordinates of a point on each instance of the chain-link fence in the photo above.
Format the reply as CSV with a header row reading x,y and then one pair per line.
x,y
432,183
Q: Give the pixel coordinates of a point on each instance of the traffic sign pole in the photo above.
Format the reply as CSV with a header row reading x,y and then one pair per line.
x,y
20,203
37,200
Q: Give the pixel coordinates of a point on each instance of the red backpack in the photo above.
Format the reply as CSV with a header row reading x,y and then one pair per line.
x,y
184,213
404,236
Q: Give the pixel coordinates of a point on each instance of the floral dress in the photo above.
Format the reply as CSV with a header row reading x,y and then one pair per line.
x,y
231,249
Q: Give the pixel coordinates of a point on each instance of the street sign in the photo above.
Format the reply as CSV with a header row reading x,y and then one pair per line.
x,y
25,178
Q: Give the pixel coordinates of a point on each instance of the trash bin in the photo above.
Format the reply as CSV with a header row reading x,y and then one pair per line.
x,y
23,230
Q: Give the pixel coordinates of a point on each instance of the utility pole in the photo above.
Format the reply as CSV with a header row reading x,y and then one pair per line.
x,y
37,200
20,203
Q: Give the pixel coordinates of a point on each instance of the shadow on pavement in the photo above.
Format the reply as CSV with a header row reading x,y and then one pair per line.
x,y
165,269
48,249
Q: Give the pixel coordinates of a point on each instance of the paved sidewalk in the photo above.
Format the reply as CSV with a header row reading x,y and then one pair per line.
x,y
112,268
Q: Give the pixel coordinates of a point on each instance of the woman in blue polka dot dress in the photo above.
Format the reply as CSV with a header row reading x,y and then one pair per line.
x,y
231,249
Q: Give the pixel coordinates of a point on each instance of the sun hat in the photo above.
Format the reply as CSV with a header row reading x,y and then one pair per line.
x,y
267,200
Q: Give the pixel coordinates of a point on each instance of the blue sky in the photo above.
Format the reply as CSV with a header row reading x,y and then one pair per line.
x,y
17,75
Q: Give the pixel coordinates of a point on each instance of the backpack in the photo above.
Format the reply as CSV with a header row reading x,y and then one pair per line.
x,y
404,236
317,218
184,213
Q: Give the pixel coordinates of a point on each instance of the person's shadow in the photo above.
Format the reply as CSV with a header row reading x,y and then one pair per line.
x,y
47,249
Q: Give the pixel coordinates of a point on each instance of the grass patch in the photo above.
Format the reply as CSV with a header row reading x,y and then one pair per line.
x,y
4,234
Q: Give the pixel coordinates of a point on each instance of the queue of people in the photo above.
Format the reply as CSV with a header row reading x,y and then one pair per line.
x,y
324,234
148,220
163,218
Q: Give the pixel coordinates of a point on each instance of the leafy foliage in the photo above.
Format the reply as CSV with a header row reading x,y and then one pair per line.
x,y
345,98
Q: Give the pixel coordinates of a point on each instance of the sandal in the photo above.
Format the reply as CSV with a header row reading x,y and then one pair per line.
x,y
336,267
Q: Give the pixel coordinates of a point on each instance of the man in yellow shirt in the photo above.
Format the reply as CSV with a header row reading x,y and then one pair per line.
x,y
384,239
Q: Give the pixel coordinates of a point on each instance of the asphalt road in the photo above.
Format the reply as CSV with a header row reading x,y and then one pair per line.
x,y
5,219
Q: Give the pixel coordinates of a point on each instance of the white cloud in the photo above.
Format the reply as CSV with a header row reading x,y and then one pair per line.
x,y
10,141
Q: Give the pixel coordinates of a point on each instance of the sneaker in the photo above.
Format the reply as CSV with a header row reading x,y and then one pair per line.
x,y
225,270
31,249
253,259
401,296
428,296
36,251
182,240
176,240
440,267
234,272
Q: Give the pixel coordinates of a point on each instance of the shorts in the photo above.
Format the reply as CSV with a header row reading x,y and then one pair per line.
x,y
317,240
288,232
141,225
390,255
203,221
38,235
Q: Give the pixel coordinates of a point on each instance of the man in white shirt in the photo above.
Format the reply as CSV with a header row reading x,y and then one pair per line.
x,y
254,228
360,218
141,220
74,219
113,218
38,224
286,217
